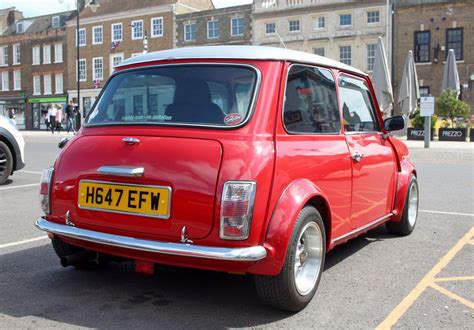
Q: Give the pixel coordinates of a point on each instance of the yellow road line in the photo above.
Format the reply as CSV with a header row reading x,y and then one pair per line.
x,y
452,295
457,278
403,306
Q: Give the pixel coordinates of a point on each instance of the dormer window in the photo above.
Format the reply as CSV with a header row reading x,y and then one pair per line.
x,y
56,21
19,27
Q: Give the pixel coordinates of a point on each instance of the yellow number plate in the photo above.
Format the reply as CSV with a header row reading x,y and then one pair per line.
x,y
149,201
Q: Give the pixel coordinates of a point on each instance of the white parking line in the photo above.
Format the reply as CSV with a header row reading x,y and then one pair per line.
x,y
23,242
448,213
32,172
22,186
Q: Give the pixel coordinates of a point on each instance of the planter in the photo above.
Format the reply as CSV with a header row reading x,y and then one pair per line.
x,y
452,134
418,134
471,133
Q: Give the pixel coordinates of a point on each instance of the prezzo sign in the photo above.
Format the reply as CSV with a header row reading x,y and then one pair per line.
x,y
417,134
452,134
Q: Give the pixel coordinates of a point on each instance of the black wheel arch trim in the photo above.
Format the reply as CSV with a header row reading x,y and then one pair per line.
x,y
10,140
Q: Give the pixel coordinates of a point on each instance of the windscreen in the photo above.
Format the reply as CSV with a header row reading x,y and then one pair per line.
x,y
202,95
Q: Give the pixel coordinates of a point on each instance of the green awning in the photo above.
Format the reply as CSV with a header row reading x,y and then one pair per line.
x,y
47,99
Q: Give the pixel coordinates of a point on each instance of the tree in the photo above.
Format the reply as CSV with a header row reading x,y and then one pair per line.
x,y
418,121
448,105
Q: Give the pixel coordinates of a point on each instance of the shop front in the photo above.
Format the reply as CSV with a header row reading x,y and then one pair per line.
x,y
39,109
14,107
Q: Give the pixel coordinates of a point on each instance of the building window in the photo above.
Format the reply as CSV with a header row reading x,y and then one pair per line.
x,y
319,23
117,32
424,90
16,80
82,37
137,30
58,53
46,54
237,26
97,35
20,27
270,28
371,48
5,83
115,59
345,20
82,70
36,85
373,17
16,54
47,84
345,54
190,32
422,46
59,84
319,51
56,21
4,55
36,55
294,25
213,28
157,27
97,68
455,41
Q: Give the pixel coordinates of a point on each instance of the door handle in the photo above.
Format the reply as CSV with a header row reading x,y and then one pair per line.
x,y
121,171
357,156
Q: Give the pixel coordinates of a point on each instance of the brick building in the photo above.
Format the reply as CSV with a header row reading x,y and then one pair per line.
x,y
116,30
430,28
344,30
32,65
229,26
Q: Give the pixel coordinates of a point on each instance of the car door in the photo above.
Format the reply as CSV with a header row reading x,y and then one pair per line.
x,y
373,160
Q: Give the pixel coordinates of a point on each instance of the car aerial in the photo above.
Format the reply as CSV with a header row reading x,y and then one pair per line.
x,y
238,159
12,149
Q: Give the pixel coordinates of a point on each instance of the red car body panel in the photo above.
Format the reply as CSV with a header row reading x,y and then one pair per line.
x,y
289,170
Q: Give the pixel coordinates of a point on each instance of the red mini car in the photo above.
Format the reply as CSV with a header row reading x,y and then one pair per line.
x,y
241,159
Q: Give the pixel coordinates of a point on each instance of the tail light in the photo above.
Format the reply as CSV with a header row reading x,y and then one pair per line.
x,y
237,209
45,189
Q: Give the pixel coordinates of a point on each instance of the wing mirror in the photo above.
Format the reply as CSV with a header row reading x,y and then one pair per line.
x,y
394,123
63,142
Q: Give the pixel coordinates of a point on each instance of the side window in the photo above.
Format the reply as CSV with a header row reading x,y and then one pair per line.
x,y
357,106
311,101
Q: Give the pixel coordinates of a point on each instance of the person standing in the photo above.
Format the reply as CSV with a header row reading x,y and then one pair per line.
x,y
52,111
59,118
70,116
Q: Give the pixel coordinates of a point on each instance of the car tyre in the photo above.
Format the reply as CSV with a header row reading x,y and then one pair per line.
x,y
295,286
64,249
6,162
407,222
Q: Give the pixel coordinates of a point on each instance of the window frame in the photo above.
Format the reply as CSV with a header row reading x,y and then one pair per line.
x,y
94,30
56,75
340,59
462,43
56,47
282,118
214,21
373,112
322,47
293,21
316,21
16,52
33,62
415,43
78,37
4,55
48,48
425,87
237,19
94,78
36,78
190,32
152,27
134,28
16,74
274,28
78,77
372,12
371,57
112,36
345,26
5,87
112,56
48,91
22,29
58,19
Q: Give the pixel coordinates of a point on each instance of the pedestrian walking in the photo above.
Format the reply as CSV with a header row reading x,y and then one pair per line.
x,y
46,121
70,112
52,111
59,118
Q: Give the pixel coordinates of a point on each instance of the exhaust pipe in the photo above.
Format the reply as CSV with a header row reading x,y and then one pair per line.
x,y
78,258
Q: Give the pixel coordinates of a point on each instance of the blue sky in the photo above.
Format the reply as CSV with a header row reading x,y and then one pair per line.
x,y
43,7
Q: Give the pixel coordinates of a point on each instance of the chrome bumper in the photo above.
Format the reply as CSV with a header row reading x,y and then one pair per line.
x,y
253,253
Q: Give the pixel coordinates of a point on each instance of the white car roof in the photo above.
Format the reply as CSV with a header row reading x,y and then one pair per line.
x,y
239,52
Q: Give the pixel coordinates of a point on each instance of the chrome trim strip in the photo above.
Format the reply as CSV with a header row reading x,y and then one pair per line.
x,y
252,253
165,216
363,228
130,140
126,171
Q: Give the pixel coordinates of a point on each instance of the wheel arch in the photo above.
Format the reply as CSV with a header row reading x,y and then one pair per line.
x,y
9,144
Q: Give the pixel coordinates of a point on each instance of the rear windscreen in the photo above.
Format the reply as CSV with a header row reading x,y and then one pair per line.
x,y
204,95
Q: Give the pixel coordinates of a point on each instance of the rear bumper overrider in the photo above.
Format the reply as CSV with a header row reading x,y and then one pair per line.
x,y
253,253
